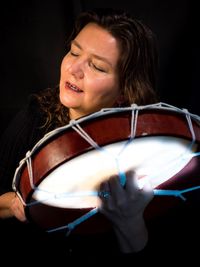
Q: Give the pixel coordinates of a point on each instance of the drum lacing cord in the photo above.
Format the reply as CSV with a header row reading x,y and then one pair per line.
x,y
70,226
28,161
134,118
77,128
175,193
122,175
30,169
122,178
189,121
179,193
83,134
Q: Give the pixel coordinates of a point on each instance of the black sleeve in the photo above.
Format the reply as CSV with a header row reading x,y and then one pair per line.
x,y
19,137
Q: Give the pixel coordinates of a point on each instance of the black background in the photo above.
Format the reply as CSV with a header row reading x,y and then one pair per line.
x,y
34,34
33,38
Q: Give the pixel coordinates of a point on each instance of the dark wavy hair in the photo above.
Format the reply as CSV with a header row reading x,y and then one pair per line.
x,y
137,66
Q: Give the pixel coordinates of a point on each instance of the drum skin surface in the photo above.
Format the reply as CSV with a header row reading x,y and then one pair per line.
x,y
68,144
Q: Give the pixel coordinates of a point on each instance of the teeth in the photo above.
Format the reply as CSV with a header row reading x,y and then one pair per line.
x,y
73,87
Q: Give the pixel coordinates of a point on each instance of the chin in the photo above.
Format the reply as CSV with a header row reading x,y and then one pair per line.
x,y
64,100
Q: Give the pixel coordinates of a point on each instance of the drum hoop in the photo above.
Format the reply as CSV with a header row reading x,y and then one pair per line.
x,y
103,112
106,111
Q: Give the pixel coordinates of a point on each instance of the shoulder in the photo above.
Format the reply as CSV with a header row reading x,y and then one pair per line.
x,y
28,121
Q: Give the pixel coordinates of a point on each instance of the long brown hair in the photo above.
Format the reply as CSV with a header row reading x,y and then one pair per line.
x,y
137,66
138,62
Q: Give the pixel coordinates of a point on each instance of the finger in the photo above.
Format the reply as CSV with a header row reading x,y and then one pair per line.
x,y
107,204
132,186
116,189
144,195
104,190
104,186
19,214
148,191
18,209
111,188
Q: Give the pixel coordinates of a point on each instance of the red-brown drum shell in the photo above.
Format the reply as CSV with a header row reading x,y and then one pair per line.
x,y
106,129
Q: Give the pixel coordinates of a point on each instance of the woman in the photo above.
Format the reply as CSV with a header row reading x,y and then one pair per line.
x,y
111,61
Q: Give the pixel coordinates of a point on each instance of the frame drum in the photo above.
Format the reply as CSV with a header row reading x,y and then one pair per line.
x,y
59,179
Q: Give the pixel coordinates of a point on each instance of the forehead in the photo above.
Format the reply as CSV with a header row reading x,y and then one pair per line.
x,y
94,39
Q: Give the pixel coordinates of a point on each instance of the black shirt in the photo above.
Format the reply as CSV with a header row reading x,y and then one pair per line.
x,y
27,238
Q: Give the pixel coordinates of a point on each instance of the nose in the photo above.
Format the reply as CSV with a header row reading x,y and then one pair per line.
x,y
76,69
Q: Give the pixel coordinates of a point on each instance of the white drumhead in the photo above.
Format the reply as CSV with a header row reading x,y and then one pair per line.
x,y
75,183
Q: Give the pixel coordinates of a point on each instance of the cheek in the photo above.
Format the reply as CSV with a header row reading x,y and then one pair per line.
x,y
108,88
103,85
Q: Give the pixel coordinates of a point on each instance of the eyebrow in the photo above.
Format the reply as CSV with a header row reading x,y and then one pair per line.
x,y
94,55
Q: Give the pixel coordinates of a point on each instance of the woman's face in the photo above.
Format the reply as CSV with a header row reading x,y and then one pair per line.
x,y
89,78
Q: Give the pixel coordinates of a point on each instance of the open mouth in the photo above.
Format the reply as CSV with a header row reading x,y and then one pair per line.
x,y
73,87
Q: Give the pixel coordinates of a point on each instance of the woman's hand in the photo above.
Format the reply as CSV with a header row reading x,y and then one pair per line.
x,y
124,207
11,205
17,209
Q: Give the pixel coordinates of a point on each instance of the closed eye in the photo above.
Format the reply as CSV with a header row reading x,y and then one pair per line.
x,y
74,54
97,68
